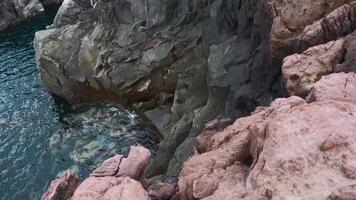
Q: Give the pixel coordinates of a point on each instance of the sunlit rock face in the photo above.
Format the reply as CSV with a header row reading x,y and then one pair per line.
x,y
289,150
301,71
200,59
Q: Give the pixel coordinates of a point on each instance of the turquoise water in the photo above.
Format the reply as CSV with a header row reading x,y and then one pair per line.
x,y
41,136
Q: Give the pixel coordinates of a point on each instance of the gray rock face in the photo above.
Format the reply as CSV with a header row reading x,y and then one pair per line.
x,y
12,11
205,58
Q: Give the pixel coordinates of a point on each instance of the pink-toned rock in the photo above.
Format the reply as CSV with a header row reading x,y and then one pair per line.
x,y
63,187
110,188
134,165
113,180
93,188
290,150
162,191
307,23
340,22
301,71
109,167
337,86
128,189
209,130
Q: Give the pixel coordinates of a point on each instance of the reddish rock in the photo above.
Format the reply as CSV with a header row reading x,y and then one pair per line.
x,y
113,180
134,165
301,71
62,188
210,129
289,150
110,188
337,86
109,167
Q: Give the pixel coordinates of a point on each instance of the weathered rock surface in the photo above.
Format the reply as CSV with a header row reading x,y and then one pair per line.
x,y
12,11
290,150
202,58
63,187
118,178
307,23
337,86
301,71
110,188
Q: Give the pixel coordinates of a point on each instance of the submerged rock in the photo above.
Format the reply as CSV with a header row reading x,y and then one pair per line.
x,y
96,131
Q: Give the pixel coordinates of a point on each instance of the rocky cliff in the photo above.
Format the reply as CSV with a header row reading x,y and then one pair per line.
x,y
14,11
183,63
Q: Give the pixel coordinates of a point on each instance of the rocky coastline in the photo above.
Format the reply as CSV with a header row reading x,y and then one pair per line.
x,y
255,99
15,11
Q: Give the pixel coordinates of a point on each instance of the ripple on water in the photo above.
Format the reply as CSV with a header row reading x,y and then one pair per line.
x,y
40,136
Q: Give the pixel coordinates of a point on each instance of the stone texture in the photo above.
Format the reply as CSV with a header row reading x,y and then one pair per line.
x,y
205,58
118,178
109,167
290,150
298,26
337,86
110,188
134,165
62,188
13,11
161,191
301,71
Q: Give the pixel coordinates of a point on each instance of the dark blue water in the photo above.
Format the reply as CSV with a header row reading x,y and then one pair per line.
x,y
41,136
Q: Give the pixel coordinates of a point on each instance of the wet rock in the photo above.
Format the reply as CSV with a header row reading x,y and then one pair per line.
x,y
63,187
96,131
336,86
278,153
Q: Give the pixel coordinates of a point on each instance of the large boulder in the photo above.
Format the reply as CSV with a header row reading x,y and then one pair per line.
x,y
290,150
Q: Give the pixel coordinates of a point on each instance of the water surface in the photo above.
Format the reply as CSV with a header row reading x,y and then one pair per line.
x,y
41,136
